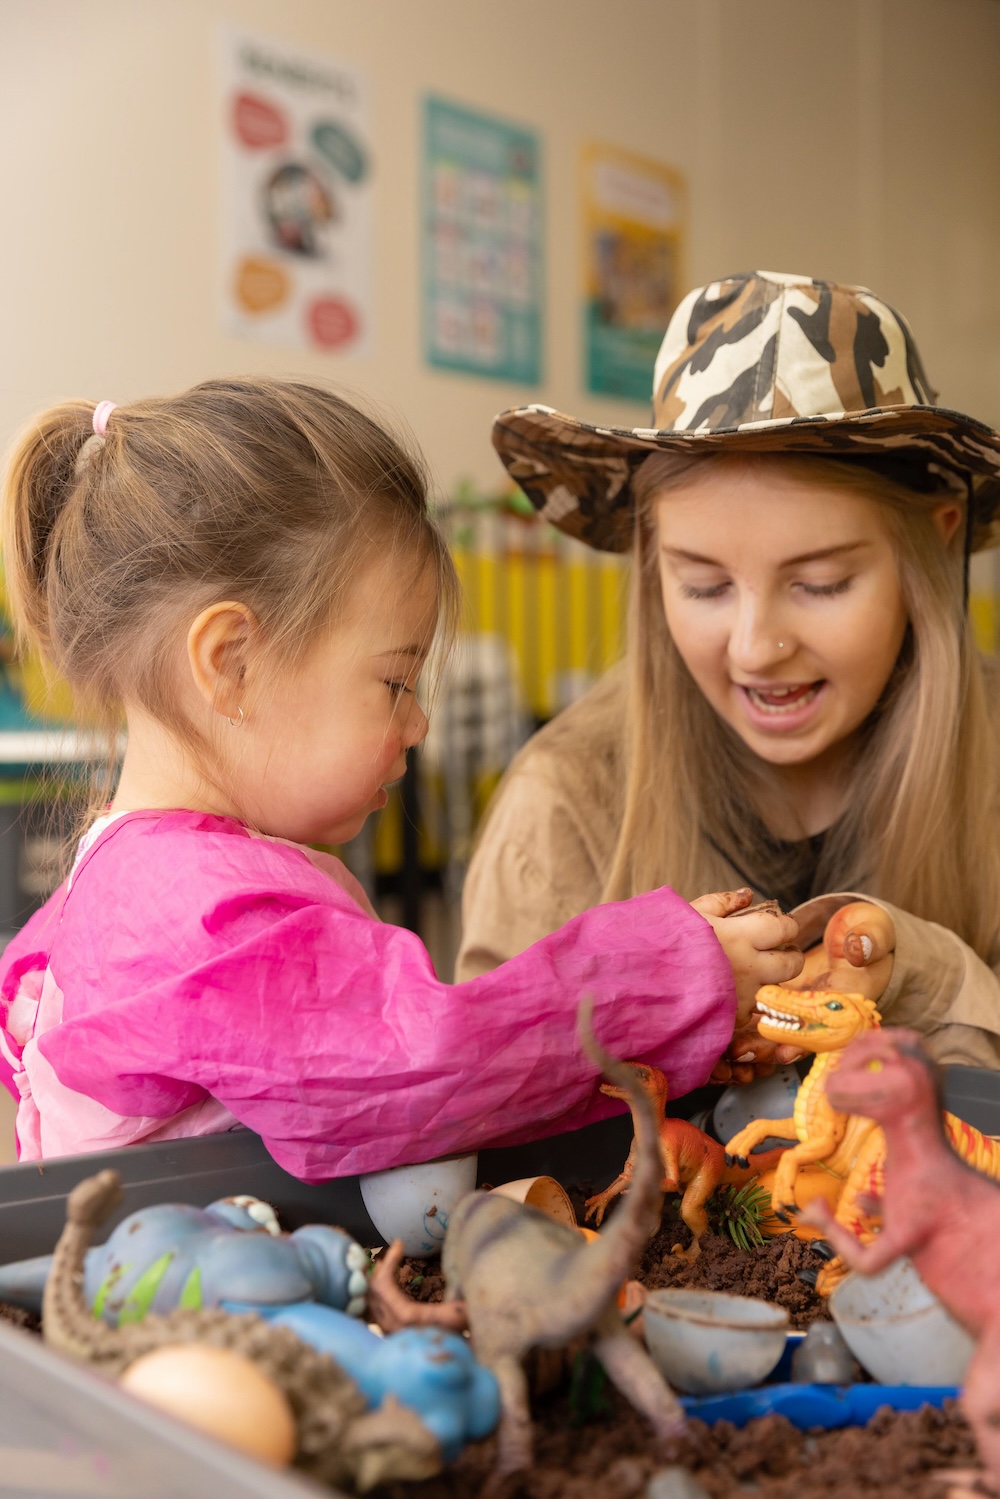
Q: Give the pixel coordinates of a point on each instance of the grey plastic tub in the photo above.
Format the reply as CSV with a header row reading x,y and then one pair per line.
x,y
66,1431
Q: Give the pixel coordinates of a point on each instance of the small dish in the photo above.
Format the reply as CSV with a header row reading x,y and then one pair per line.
x,y
707,1342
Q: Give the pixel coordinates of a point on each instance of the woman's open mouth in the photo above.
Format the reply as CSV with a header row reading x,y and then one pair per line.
x,y
782,699
781,705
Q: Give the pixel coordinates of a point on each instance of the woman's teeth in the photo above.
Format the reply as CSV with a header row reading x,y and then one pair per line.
x,y
782,699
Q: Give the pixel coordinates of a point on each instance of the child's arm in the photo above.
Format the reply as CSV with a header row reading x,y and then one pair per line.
x,y
329,1034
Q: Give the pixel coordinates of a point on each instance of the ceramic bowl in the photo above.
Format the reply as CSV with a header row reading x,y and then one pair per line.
x,y
543,1193
899,1330
706,1342
414,1203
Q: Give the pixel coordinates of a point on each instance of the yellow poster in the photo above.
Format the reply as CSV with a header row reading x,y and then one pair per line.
x,y
634,224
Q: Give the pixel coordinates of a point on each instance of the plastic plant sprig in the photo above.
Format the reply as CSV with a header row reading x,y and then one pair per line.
x,y
739,1213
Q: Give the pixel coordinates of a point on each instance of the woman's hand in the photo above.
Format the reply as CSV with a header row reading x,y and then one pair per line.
x,y
760,944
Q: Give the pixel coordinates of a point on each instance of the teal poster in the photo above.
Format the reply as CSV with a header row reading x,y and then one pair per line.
x,y
482,245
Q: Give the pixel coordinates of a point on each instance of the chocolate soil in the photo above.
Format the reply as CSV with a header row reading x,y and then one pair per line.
x,y
770,1272
896,1456
612,1455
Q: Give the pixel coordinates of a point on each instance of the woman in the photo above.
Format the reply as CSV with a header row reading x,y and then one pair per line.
x,y
802,709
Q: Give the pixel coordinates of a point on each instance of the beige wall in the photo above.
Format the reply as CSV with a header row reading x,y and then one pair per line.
x,y
857,139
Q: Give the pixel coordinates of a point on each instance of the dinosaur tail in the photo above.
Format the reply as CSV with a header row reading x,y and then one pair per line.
x,y
981,1152
612,1258
67,1321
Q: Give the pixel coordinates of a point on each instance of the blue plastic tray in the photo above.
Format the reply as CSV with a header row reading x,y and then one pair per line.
x,y
812,1405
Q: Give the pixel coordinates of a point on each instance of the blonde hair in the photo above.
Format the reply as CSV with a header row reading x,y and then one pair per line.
x,y
919,825
270,493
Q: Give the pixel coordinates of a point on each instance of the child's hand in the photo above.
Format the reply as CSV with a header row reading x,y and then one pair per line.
x,y
760,945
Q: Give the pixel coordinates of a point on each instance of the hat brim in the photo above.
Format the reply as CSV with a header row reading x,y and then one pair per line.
x,y
579,476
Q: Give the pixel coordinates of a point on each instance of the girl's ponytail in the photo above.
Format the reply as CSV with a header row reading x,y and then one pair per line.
x,y
42,474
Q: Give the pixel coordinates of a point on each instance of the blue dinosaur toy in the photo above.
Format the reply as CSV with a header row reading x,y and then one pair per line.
x,y
433,1372
174,1255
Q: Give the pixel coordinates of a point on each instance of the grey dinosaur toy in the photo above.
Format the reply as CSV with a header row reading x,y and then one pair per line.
x,y
528,1282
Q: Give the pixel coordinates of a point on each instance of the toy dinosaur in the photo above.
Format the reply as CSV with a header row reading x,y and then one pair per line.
x,y
340,1440
848,1147
822,1021
934,1207
530,1282
692,1161
174,1255
855,954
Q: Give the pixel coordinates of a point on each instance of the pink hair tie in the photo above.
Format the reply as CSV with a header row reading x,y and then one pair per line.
x,y
102,411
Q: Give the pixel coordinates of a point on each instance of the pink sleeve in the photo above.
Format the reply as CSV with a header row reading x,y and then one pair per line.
x,y
330,1036
7,1077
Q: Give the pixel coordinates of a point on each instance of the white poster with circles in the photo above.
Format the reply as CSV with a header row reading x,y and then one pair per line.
x,y
297,236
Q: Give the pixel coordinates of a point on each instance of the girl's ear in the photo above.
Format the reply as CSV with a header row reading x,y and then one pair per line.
x,y
947,518
219,643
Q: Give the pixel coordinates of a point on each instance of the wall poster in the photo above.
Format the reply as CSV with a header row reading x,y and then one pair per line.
x,y
297,239
634,227
482,245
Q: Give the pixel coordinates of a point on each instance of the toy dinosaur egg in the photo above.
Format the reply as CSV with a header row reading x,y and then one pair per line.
x,y
414,1203
219,1392
543,1193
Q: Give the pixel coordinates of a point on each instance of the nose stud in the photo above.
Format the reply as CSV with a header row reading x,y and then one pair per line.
x,y
781,645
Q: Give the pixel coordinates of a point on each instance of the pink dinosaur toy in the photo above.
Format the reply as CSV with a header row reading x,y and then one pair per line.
x,y
935,1208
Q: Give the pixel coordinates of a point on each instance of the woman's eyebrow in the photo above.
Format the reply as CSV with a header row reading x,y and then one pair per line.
x,y
816,556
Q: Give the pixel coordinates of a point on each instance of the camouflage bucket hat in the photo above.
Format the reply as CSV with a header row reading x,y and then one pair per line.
x,y
763,363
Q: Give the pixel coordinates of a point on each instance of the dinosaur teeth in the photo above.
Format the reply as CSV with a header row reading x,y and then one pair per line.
x,y
780,1018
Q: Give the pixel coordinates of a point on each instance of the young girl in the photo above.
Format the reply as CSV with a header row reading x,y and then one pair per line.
x,y
803,709
249,570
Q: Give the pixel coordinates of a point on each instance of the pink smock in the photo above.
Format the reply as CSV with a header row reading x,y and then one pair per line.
x,y
191,977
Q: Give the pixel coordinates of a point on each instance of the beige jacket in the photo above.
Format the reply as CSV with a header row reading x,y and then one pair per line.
x,y
548,842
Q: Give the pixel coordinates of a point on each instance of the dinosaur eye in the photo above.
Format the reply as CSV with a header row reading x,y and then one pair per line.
x,y
835,1004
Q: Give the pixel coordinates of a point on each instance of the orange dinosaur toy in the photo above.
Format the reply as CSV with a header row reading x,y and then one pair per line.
x,y
692,1161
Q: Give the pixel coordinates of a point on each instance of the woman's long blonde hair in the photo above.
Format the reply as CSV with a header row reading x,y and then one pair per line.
x,y
919,826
